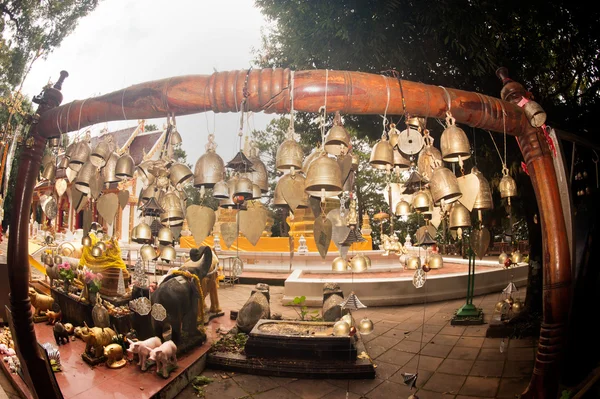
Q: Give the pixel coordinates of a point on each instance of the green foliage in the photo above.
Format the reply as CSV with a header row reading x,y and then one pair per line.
x,y
234,343
198,383
565,394
150,127
303,311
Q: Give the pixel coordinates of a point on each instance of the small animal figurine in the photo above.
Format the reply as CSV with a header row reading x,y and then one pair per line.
x,y
41,302
61,335
131,335
142,349
114,356
54,315
165,357
96,339
79,332
69,327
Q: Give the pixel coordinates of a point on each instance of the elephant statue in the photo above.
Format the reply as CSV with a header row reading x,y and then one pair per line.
x,y
182,299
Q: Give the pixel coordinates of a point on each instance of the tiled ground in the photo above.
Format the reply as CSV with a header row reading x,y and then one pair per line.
x,y
453,362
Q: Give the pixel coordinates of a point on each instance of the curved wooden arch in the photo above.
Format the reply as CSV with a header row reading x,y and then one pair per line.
x,y
268,90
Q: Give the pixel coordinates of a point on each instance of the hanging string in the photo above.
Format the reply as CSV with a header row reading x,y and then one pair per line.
x,y
324,110
291,127
387,104
448,99
422,328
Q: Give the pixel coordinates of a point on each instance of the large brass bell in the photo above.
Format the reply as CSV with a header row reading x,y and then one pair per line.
x,y
221,190
460,217
148,253
382,155
165,236
243,187
144,173
109,170
124,167
359,263
484,199
209,170
339,264
79,156
444,186
435,261
259,175
168,253
507,186
337,140
85,176
63,163
143,233
454,143
421,201
324,177
180,174
134,234
402,208
100,154
278,199
289,155
535,113
413,263
49,172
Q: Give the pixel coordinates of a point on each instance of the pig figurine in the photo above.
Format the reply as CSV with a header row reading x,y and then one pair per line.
x,y
165,358
142,349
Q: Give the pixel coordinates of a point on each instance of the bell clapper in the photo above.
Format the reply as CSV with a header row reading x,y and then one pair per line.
x,y
293,173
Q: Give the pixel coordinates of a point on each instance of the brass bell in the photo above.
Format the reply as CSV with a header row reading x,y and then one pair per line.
x,y
444,186
501,307
324,177
85,176
173,215
243,187
289,155
101,245
143,233
355,162
124,167
168,253
221,190
58,259
400,161
308,160
228,202
70,149
165,236
86,241
502,258
517,306
507,186
435,261
484,199
402,208
79,156
260,175
63,163
421,201
413,263
429,159
54,142
144,173
100,154
134,234
49,260
256,192
382,155
96,251
278,199
49,172
535,113
180,174
337,140
460,217
148,253
341,329
148,192
339,264
209,170
348,319
417,122
454,143
175,137
358,263
365,327
109,169
517,257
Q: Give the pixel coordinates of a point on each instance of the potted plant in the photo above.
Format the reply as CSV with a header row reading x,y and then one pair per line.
x,y
67,274
93,283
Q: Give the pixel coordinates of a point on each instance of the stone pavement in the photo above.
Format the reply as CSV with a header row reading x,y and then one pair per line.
x,y
452,361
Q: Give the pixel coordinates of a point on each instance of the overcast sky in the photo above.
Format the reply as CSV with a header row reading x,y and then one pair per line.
x,y
125,42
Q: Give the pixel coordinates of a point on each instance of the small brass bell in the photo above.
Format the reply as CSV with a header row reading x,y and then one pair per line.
x,y
49,260
86,241
80,155
101,245
349,319
454,143
339,264
517,257
54,142
502,258
221,190
147,252
144,173
400,161
460,217
109,170
58,259
124,167
260,175
175,138
100,154
365,326
402,208
417,122
355,162
382,155
256,192
308,160
413,263
484,200
507,186
180,174
143,233
173,215
337,140
243,187
134,234
436,261
535,113
165,236
96,251
517,306
421,201
341,328
324,177
85,176
444,186
278,199
168,253
49,172
289,155
63,163
358,263
209,170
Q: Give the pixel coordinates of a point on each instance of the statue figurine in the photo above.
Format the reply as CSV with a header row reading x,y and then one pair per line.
x,y
165,357
408,242
114,356
391,244
352,218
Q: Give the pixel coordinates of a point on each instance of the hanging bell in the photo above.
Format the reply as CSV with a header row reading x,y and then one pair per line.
x,y
507,185
49,172
100,154
63,163
147,193
109,169
421,201
417,122
339,264
337,140
243,187
180,174
228,202
96,251
101,245
435,261
168,253
85,176
80,155
365,326
259,175
278,199
502,258
143,233
144,173
413,263
429,159
86,241
444,186
221,190
400,161
165,236
256,192
134,234
535,113
402,208
460,217
175,137
124,167
289,155
454,142
516,257
148,253
54,142
359,263
484,200
341,329
209,170
382,155
355,162
324,177
173,215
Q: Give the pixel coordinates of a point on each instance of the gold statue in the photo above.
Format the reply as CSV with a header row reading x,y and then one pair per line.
x,y
391,244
